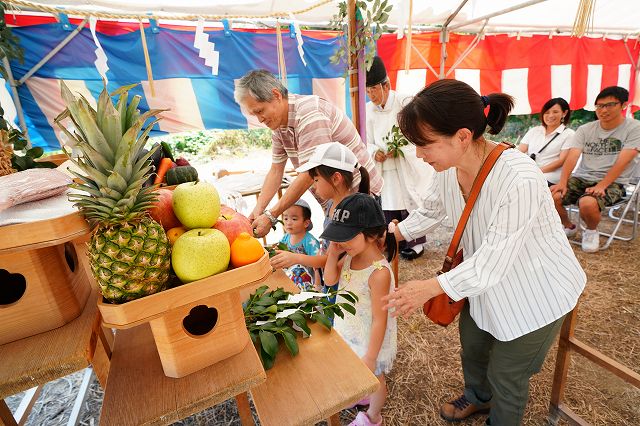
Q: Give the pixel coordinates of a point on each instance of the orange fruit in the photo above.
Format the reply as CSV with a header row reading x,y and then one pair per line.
x,y
174,233
245,250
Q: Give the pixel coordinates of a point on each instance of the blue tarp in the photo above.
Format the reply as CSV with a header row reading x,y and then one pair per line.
x,y
172,55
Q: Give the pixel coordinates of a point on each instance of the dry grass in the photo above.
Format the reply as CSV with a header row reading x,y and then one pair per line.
x,y
427,371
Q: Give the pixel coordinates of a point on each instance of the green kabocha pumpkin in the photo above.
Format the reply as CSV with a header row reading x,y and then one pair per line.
x,y
181,174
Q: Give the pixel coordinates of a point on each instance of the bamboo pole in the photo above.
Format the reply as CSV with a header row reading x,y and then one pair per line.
x,y
353,64
147,61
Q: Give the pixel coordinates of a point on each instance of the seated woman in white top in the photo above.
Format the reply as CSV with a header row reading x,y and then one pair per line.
x,y
544,143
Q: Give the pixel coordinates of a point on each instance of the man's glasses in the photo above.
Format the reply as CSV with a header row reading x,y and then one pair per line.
x,y
607,105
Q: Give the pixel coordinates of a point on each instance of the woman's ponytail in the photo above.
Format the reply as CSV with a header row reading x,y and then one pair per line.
x,y
447,106
499,106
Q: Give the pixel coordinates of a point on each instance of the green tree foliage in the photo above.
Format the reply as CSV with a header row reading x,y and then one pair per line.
x,y
9,43
517,125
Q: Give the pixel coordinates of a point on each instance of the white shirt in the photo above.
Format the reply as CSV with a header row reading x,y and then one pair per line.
x,y
519,271
536,139
404,177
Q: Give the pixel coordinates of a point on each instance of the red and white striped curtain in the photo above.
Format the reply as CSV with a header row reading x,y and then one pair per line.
x,y
533,69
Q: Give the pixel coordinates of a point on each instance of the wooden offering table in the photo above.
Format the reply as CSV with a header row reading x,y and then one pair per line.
x,y
323,379
139,393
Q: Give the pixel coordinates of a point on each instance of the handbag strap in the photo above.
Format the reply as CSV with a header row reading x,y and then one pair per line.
x,y
473,195
547,144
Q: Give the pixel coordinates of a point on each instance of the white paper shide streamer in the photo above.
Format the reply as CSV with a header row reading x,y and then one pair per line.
x,y
296,26
206,48
101,57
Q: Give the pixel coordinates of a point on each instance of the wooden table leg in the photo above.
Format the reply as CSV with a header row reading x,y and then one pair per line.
x,y
335,420
244,409
6,417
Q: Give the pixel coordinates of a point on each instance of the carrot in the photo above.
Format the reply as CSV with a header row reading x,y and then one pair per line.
x,y
165,164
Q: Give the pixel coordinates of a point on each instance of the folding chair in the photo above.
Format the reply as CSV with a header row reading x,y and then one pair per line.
x,y
629,204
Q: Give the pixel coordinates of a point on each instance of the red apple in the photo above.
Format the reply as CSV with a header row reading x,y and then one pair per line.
x,y
162,211
232,223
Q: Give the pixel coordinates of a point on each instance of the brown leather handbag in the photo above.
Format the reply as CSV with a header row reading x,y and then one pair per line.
x,y
442,309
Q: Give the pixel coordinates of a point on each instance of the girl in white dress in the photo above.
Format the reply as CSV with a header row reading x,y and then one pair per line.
x,y
357,230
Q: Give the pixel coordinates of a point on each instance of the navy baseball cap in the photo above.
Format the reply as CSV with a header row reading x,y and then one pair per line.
x,y
352,215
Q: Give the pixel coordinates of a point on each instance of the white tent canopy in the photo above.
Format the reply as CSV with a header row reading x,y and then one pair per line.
x,y
621,17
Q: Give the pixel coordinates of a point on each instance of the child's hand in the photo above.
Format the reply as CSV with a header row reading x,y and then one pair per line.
x,y
283,259
370,362
334,249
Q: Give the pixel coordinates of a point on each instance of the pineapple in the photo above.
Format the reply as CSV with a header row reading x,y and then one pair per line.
x,y
129,253
6,153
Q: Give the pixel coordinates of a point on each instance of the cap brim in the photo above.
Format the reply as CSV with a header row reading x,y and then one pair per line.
x,y
339,233
307,166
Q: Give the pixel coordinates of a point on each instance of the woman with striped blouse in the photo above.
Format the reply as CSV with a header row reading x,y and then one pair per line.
x,y
519,273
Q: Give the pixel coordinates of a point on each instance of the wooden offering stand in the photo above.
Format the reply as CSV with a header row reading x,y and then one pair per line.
x,y
194,325
43,283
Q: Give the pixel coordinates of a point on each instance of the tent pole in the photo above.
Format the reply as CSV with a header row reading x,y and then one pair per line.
x,y
454,14
494,14
467,51
633,89
413,46
444,38
16,100
55,50
353,64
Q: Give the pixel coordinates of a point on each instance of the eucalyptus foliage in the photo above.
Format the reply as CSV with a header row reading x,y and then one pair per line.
x,y
277,316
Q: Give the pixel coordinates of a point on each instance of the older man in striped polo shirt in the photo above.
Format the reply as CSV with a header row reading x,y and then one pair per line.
x,y
299,124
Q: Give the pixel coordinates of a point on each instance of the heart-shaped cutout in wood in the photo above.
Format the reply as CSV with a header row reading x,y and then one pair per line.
x,y
201,320
12,287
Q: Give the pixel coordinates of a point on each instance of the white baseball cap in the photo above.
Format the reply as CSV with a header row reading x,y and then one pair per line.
x,y
333,154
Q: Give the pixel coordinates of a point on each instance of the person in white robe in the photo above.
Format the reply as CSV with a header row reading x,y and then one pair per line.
x,y
405,176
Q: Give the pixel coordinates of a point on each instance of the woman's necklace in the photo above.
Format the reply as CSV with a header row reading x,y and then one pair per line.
x,y
466,195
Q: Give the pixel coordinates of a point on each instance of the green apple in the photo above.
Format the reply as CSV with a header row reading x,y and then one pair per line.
x,y
200,253
196,204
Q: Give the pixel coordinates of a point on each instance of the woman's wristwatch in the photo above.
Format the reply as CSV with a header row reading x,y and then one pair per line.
x,y
271,218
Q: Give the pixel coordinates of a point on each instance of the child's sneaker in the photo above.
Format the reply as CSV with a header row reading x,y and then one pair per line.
x,y
590,241
570,232
363,420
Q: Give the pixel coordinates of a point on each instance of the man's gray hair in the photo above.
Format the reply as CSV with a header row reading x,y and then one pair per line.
x,y
258,84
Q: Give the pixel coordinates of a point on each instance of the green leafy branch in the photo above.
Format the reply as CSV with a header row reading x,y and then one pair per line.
x,y
278,316
9,43
395,140
278,246
16,138
372,14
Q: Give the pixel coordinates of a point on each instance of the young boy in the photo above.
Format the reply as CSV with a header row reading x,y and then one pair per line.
x,y
609,148
301,244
